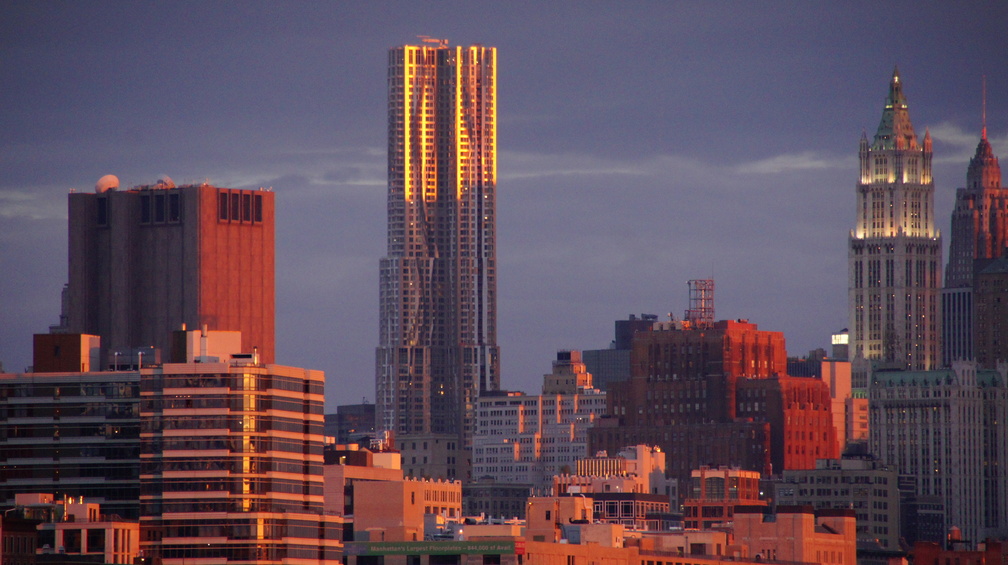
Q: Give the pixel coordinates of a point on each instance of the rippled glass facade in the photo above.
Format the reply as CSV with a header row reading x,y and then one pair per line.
x,y
437,347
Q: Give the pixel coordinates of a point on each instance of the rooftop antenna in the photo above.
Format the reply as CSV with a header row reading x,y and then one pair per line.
x,y
983,132
701,311
429,39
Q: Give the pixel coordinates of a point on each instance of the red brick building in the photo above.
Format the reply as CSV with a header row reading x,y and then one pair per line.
x,y
799,411
717,396
684,375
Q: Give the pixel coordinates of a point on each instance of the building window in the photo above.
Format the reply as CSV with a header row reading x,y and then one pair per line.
x,y
222,206
145,216
103,206
246,207
174,207
258,208
159,208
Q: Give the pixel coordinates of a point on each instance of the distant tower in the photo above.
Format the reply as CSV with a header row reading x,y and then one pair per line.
x,y
437,346
146,260
979,236
895,251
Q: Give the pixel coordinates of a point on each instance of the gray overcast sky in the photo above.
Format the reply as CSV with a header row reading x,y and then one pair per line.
x,y
641,144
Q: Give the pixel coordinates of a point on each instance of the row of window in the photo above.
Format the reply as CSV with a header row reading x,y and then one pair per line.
x,y
247,423
237,465
233,382
70,410
239,206
260,403
109,390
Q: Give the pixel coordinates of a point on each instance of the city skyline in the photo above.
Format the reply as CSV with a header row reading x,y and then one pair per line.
x,y
640,147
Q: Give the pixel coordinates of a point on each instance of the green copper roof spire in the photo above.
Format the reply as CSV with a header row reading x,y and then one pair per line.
x,y
895,130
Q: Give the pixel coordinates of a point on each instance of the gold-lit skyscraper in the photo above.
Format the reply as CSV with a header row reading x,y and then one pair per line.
x,y
895,252
438,299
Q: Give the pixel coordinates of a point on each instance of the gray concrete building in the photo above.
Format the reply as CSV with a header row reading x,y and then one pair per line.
x,y
612,364
945,429
859,482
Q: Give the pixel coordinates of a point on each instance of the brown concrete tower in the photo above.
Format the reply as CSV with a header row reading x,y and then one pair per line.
x,y
146,260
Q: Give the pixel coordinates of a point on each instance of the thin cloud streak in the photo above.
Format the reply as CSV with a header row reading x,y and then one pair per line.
x,y
963,143
789,162
36,203
525,166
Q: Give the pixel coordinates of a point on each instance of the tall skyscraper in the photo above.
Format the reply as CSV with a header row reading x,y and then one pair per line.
x,y
895,251
438,297
146,260
980,218
979,236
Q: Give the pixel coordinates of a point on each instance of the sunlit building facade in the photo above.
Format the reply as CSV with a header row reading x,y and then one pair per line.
x,y
688,393
231,464
76,531
979,237
895,251
715,492
145,260
437,346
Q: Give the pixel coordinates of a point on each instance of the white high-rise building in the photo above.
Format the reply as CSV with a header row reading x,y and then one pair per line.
x,y
524,438
895,252
437,346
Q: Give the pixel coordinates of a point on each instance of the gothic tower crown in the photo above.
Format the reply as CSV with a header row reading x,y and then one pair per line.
x,y
895,130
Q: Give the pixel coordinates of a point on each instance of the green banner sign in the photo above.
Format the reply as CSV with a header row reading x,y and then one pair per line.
x,y
428,547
